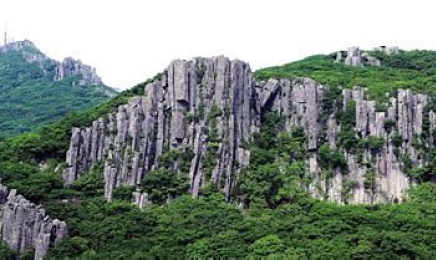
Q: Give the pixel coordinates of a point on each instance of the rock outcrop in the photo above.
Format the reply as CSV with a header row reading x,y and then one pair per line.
x,y
140,199
355,57
70,68
201,106
212,107
389,50
25,225
406,114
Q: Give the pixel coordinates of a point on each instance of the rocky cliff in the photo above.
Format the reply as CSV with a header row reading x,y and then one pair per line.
x,y
70,67
200,106
208,109
24,225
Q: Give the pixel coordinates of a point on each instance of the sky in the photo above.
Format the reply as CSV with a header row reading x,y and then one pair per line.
x,y
131,40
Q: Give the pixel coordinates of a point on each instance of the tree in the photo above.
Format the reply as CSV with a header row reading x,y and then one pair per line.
x,y
265,246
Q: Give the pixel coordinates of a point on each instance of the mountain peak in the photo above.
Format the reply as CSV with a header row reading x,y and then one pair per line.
x,y
67,85
17,46
69,67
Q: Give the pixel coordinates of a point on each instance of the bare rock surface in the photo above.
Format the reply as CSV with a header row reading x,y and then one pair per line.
x,y
25,225
213,105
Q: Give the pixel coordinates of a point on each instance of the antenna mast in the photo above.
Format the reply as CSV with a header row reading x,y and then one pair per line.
x,y
6,34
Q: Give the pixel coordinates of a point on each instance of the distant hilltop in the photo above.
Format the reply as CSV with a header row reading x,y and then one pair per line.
x,y
16,46
37,90
69,67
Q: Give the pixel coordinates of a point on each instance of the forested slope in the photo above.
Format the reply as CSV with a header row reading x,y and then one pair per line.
x,y
36,90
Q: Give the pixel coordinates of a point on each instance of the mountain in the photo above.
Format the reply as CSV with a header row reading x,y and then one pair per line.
x,y
332,156
37,90
205,114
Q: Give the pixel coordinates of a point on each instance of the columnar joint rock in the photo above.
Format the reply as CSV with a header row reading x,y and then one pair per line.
x,y
70,68
355,57
25,225
214,106
174,114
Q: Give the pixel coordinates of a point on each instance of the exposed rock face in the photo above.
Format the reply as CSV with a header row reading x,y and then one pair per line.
x,y
301,103
140,199
25,225
388,49
214,106
354,57
70,67
175,113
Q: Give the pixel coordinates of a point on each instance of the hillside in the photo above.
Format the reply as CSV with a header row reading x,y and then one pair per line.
x,y
329,157
36,90
415,70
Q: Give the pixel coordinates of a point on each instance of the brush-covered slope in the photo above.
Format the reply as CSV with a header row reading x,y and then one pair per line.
x,y
36,90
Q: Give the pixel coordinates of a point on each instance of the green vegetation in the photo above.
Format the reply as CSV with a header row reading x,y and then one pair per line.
x,y
163,184
209,227
6,253
31,98
276,166
408,69
331,158
209,160
269,215
51,141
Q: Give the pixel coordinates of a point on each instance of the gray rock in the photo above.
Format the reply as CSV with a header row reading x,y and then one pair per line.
x,y
25,225
174,114
357,58
268,91
140,199
70,67
389,50
161,120
354,57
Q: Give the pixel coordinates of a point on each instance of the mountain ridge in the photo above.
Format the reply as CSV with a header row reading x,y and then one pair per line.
x,y
37,90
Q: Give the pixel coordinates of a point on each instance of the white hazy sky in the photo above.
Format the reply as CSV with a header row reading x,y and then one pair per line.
x,y
131,40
